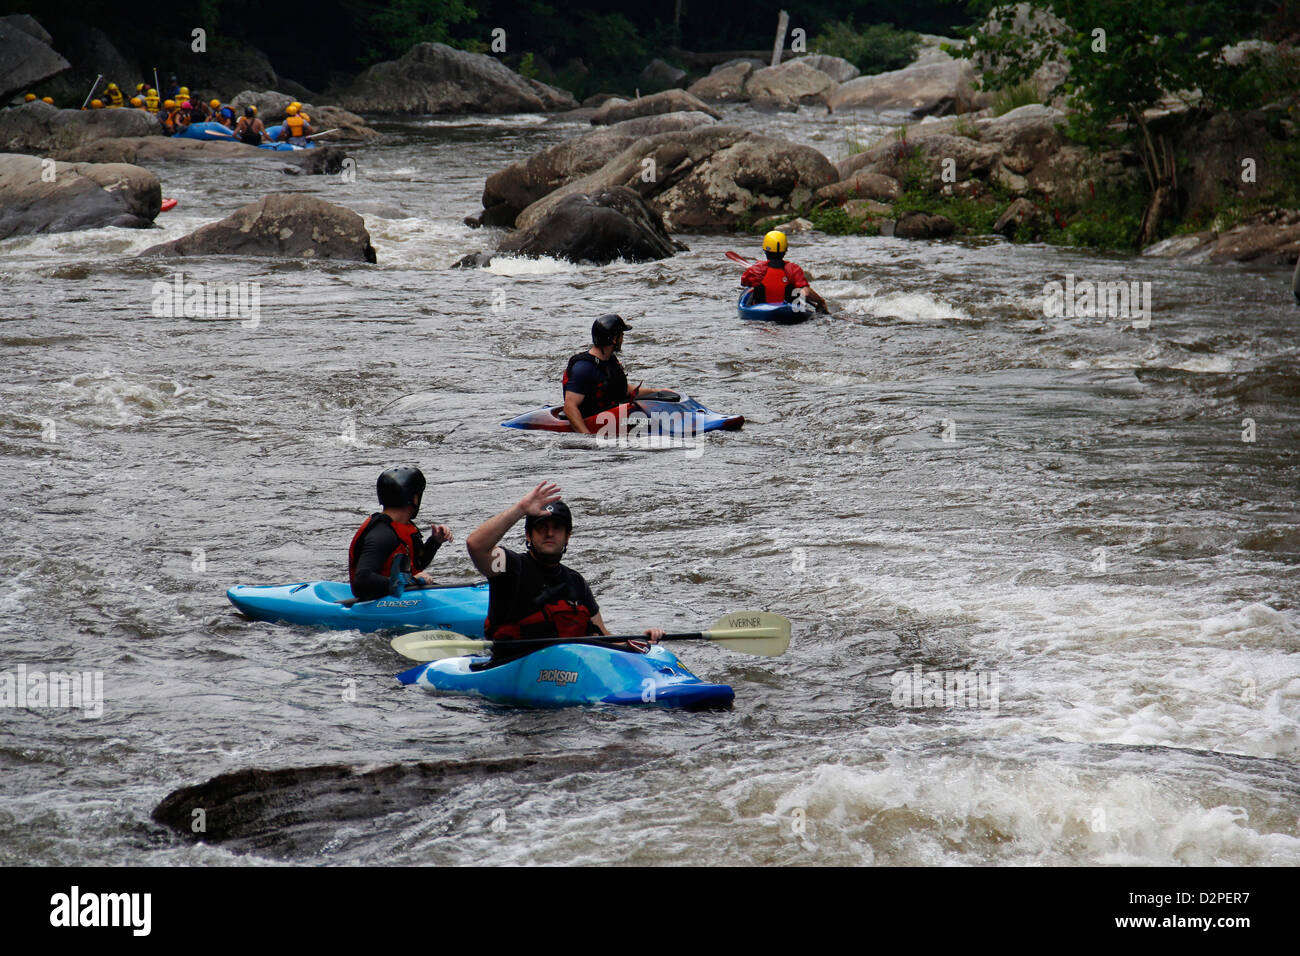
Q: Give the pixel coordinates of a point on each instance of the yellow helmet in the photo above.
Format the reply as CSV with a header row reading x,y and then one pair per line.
x,y
139,87
214,103
29,97
47,99
296,105
185,91
170,104
254,109
112,86
292,110
151,92
775,242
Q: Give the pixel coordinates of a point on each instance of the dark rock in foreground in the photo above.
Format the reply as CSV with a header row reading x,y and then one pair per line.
x,y
297,812
614,223
282,224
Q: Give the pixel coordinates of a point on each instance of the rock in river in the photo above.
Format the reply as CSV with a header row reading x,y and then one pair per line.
x,y
282,224
39,195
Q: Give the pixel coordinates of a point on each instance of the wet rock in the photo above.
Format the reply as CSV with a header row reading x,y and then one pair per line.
x,y
863,184
923,225
282,224
37,127
508,192
789,226
300,811
861,208
837,68
789,85
146,150
434,78
724,84
614,223
930,89
1194,246
659,75
79,196
712,178
1021,213
26,56
669,101
601,99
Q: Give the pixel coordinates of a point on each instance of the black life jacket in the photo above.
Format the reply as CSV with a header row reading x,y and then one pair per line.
x,y
556,611
611,388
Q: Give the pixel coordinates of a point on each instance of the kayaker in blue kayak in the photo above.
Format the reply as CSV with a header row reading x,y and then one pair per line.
x,y
594,380
533,594
390,536
777,280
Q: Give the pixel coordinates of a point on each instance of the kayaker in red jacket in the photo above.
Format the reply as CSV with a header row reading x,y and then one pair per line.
x,y
777,280
390,537
533,594
594,380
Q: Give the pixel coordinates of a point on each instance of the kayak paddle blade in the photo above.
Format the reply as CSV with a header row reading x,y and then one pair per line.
x,y
752,632
436,645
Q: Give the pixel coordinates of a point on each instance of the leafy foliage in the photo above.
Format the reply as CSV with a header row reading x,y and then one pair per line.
x,y
873,49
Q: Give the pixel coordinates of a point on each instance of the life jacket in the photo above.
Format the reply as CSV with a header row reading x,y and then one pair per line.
x,y
556,611
151,103
775,282
295,125
180,118
611,389
169,127
406,537
115,100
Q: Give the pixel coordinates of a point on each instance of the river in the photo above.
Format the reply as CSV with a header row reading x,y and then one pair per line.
x,y
1093,525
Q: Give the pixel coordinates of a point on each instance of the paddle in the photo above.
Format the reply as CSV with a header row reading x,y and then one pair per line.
x,y
322,133
747,632
223,133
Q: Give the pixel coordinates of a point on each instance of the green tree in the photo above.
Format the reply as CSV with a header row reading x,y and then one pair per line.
x,y
1123,58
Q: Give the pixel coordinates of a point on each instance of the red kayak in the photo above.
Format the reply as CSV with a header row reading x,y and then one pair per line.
x,y
671,414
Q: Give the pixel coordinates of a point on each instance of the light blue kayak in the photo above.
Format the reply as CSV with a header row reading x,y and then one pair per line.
x,y
782,312
563,675
330,604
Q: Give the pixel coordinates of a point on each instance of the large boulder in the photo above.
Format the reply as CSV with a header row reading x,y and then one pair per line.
x,y
788,85
146,150
929,89
837,68
724,84
91,53
614,223
669,101
271,105
659,75
434,78
282,224
862,184
39,195
713,178
26,56
511,190
923,225
40,128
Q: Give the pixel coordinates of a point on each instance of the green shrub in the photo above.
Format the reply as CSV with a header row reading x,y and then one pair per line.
x,y
1022,94
873,49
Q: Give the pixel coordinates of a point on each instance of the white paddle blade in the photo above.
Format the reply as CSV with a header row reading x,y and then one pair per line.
x,y
752,632
435,645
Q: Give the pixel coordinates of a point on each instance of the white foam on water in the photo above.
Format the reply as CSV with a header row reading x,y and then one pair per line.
x,y
510,119
904,306
506,266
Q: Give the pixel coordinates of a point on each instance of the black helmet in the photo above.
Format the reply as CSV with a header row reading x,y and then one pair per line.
x,y
399,487
557,510
607,328
248,111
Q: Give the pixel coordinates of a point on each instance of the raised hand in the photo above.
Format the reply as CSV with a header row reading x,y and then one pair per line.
x,y
534,503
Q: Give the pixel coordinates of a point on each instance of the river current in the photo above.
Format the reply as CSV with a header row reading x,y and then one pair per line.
x,y
1092,526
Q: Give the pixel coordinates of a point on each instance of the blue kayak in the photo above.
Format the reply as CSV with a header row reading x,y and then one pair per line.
x,y
563,675
331,604
783,312
680,416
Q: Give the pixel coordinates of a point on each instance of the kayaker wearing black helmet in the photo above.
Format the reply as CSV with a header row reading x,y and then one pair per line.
x,y
533,594
390,536
594,380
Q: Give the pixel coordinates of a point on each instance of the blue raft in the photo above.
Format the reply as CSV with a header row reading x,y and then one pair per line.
x,y
565,675
330,604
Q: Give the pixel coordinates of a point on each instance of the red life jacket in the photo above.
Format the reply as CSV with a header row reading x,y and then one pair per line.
x,y
775,282
406,534
557,619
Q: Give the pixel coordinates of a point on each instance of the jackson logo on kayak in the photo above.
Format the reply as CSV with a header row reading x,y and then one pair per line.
x,y
557,677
